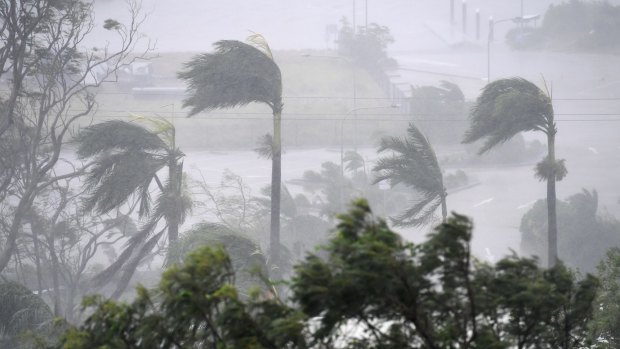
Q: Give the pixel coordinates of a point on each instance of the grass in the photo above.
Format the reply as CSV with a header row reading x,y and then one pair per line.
x,y
318,94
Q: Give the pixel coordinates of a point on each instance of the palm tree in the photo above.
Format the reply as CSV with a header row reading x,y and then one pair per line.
x,y
237,74
128,159
507,107
413,163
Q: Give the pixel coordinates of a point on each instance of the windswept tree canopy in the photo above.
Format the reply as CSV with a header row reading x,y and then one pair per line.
x,y
128,156
505,108
236,74
412,163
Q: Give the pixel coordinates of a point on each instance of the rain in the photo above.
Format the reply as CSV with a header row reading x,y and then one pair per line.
x,y
309,174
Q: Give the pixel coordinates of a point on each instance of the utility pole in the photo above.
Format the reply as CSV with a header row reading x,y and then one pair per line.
x,y
464,16
452,18
477,24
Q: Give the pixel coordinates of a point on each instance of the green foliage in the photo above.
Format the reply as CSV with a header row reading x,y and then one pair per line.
x,y
583,235
195,305
606,325
373,290
127,161
413,163
20,311
435,295
236,74
545,170
505,108
247,259
435,110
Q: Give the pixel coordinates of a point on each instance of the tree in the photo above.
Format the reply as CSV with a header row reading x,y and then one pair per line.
x,y
371,290
237,74
507,107
584,234
413,163
246,256
126,161
606,325
378,291
195,306
367,45
53,84
433,108
21,310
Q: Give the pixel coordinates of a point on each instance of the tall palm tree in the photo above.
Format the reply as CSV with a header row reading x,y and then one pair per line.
x,y
413,163
507,107
128,161
237,74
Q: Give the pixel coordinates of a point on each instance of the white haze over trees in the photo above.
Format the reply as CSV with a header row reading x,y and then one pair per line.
x,y
298,108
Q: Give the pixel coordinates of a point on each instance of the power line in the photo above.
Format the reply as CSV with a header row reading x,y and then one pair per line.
x,y
410,115
357,98
230,118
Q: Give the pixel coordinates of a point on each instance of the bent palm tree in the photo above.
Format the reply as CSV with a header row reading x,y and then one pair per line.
x,y
414,164
127,160
507,107
237,74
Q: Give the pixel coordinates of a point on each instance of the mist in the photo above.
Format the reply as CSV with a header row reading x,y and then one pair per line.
x,y
140,136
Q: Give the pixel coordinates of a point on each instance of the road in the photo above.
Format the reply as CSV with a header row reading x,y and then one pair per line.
x,y
496,204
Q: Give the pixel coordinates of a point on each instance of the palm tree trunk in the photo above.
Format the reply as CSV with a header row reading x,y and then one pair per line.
x,y
552,234
276,184
444,207
172,219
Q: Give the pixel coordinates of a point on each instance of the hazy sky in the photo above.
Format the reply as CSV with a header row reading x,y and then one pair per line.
x,y
192,25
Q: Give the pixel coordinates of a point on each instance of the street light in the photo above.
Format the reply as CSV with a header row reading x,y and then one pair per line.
x,y
492,24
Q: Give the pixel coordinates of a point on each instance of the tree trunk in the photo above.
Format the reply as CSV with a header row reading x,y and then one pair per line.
x,y
552,234
276,184
174,177
55,271
444,207
25,204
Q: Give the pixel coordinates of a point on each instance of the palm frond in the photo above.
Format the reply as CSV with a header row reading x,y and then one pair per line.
x,y
159,126
236,74
119,135
113,179
545,170
259,41
505,108
413,163
451,92
420,212
353,160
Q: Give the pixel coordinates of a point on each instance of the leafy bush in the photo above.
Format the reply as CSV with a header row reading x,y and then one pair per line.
x,y
373,290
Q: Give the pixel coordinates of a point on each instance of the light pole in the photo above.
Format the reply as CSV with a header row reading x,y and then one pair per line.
x,y
492,24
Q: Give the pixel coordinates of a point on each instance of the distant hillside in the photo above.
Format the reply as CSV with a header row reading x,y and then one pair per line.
x,y
318,94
